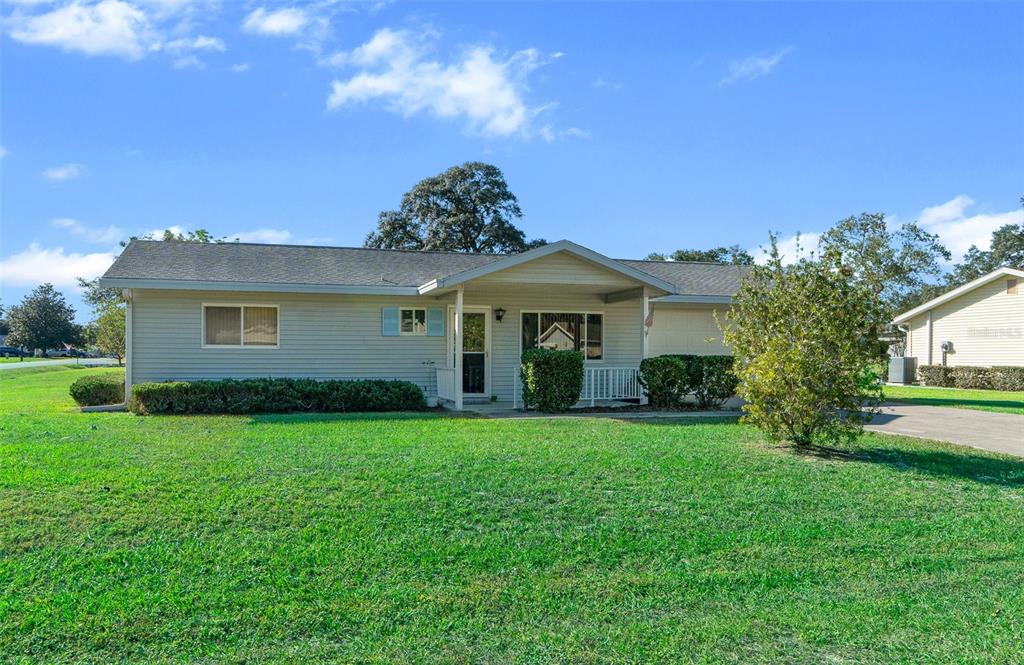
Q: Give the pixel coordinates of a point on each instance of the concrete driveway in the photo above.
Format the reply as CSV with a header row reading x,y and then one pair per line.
x,y
998,432
91,362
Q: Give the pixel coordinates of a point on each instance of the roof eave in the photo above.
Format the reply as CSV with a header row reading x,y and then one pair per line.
x,y
694,299
269,287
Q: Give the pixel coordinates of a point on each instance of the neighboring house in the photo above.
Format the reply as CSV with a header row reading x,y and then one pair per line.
x,y
453,323
980,323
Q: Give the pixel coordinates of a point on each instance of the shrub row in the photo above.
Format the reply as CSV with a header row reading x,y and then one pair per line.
x,y
275,396
552,379
97,390
670,379
983,378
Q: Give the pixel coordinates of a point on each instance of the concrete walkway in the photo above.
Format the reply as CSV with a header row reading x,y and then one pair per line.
x,y
88,362
998,432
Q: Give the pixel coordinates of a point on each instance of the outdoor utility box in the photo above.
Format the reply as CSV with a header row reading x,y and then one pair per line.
x,y
902,370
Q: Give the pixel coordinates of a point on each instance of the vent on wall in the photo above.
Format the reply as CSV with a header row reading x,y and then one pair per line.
x,y
1011,287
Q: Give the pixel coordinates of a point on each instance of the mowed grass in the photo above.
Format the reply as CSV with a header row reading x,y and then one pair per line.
x,y
979,400
420,538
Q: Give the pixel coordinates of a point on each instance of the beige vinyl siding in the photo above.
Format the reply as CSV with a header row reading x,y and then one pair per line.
x,y
557,269
986,326
321,336
685,329
332,336
622,335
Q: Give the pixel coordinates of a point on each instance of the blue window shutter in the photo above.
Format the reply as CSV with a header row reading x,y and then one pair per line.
x,y
435,322
389,321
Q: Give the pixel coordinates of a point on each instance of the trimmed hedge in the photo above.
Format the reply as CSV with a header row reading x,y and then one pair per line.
x,y
275,396
97,390
552,379
670,379
973,378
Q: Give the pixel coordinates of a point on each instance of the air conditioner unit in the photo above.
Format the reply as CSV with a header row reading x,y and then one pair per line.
x,y
902,370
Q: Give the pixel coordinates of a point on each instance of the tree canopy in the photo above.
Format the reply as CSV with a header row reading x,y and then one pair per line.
x,y
1006,250
43,320
734,255
891,262
467,208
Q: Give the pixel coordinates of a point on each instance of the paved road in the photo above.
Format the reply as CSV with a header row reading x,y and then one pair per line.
x,y
999,432
57,361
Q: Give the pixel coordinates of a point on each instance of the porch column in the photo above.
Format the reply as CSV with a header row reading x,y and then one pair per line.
x,y
128,352
643,320
458,349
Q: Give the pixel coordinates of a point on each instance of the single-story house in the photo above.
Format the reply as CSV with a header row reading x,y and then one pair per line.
x,y
453,323
980,323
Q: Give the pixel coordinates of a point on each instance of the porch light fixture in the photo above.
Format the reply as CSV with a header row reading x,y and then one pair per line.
x,y
499,314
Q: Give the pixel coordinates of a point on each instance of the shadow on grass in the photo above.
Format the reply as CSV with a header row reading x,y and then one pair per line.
x,y
993,470
305,417
960,402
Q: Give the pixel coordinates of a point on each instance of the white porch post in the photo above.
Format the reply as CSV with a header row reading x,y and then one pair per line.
x,y
128,297
458,349
643,320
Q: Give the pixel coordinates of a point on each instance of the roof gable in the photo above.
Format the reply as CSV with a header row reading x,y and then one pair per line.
x,y
959,291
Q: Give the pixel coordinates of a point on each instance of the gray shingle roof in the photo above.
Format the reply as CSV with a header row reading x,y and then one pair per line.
x,y
348,266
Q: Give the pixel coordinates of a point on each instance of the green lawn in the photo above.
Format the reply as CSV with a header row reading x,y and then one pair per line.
x,y
980,400
419,538
18,360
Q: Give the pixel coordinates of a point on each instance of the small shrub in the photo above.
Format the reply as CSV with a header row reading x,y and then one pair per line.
x,y
972,378
935,375
552,380
274,396
1008,378
670,379
718,382
97,390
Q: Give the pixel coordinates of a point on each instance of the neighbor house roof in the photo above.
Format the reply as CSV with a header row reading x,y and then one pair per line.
x,y
260,267
959,291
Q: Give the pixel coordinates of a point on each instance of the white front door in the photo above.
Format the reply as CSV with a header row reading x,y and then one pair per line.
x,y
476,350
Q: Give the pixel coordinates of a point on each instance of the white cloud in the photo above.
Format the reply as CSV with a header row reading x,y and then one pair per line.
x,y
108,235
37,265
791,248
63,172
3,152
485,89
280,23
603,83
753,67
958,230
108,27
129,30
189,62
240,67
270,236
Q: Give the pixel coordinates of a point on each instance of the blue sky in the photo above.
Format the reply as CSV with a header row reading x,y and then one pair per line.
x,y
629,128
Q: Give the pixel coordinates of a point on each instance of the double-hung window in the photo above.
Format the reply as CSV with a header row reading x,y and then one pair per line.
x,y
574,331
240,326
413,321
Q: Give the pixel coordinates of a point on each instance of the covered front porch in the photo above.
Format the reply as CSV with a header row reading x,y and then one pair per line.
x,y
556,299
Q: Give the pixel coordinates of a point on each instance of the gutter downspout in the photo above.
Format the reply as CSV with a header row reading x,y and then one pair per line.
x,y
128,354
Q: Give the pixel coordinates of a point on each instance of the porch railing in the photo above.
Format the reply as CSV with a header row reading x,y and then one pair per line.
x,y
599,383
446,383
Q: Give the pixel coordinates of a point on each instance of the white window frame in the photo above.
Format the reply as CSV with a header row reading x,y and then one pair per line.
x,y
584,313
413,333
241,338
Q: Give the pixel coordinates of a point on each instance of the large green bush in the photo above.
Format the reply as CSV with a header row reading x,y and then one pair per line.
x,y
552,380
803,335
670,379
97,390
972,378
275,396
